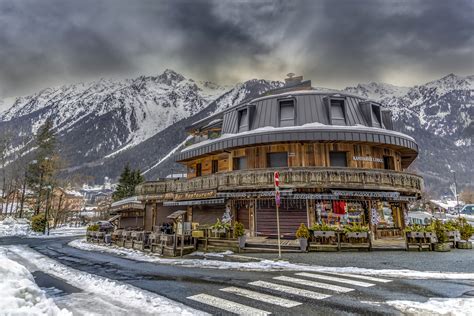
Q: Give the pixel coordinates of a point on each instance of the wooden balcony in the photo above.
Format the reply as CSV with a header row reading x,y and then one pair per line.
x,y
290,178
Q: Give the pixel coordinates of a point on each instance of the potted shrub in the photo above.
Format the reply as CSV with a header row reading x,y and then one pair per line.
x,y
442,243
220,227
303,234
466,231
239,233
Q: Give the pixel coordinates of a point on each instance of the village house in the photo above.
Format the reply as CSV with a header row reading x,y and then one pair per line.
x,y
339,159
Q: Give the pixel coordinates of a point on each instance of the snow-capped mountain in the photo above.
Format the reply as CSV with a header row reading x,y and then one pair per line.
x,y
141,108
103,124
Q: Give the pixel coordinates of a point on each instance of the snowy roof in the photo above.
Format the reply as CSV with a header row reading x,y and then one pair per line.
x,y
306,127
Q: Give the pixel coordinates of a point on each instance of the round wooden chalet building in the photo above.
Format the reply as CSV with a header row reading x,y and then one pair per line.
x,y
338,156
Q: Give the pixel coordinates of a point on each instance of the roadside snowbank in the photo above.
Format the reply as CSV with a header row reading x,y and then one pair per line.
x,y
119,294
19,293
436,306
20,227
14,227
267,265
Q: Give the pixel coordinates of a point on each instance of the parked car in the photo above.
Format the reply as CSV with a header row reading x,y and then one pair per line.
x,y
468,212
105,226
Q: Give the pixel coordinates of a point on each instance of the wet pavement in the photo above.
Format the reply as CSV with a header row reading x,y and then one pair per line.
x,y
220,291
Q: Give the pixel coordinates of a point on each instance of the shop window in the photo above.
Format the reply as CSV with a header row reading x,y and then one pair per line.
x,y
239,163
215,166
337,112
243,120
388,163
376,116
198,170
338,158
277,160
287,113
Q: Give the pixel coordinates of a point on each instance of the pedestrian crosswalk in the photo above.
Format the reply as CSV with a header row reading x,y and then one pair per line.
x,y
285,291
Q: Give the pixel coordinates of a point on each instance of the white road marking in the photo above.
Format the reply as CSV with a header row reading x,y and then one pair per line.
x,y
261,297
290,290
334,279
226,305
335,288
363,277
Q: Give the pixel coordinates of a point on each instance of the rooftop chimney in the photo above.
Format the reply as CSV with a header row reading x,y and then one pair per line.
x,y
292,80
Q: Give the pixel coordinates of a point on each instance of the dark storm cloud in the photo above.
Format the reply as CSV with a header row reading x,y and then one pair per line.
x,y
336,43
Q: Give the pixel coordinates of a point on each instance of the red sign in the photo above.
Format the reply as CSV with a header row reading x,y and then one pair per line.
x,y
276,181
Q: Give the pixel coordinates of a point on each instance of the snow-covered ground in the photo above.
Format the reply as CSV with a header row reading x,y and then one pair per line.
x,y
20,294
99,295
436,306
267,265
20,227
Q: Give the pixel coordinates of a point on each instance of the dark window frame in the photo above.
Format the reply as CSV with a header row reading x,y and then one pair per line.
x,y
286,102
338,152
376,115
275,153
237,163
243,127
198,170
214,166
343,105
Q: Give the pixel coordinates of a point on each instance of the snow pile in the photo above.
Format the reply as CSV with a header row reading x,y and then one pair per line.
x,y
268,265
116,293
436,306
14,227
20,227
20,294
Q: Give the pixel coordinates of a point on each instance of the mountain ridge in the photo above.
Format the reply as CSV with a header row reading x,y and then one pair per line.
x,y
105,123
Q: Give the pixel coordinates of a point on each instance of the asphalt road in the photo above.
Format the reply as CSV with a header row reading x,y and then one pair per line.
x,y
195,286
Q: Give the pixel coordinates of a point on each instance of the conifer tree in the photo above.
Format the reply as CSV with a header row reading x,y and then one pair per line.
x,y
128,180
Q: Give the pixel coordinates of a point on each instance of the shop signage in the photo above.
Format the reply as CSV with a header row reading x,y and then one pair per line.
x,y
169,196
194,202
367,158
369,194
252,194
195,195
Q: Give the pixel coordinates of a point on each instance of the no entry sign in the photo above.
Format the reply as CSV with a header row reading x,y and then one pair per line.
x,y
276,180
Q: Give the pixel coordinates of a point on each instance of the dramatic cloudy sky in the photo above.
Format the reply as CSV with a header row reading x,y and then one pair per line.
x,y
334,43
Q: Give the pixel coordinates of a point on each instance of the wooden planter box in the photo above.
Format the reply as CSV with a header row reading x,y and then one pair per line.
x,y
463,244
357,235
442,247
326,234
415,235
419,240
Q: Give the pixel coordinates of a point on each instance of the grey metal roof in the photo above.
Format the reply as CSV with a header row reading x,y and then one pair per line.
x,y
406,144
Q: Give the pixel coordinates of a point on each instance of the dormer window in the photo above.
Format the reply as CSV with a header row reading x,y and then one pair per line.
x,y
243,120
287,113
337,112
376,121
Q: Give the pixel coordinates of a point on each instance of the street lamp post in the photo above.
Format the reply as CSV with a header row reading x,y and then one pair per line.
x,y
455,187
46,215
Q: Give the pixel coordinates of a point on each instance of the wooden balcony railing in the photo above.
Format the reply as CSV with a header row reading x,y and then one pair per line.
x,y
291,178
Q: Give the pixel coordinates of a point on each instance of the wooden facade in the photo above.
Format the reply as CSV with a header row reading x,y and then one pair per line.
x,y
299,155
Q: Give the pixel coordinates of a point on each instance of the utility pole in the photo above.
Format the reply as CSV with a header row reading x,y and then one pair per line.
x,y
455,188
